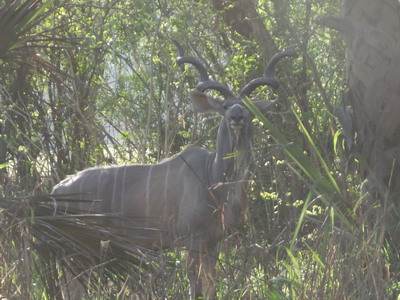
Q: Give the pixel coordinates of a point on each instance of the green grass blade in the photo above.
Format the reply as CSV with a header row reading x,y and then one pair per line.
x,y
328,189
294,152
301,220
5,165
317,153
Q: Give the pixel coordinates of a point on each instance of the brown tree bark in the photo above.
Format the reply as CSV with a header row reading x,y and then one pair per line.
x,y
372,32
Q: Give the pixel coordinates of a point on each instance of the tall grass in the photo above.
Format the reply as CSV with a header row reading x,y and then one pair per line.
x,y
346,256
45,254
335,251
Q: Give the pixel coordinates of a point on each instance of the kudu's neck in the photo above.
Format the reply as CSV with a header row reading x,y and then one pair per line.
x,y
232,156
228,176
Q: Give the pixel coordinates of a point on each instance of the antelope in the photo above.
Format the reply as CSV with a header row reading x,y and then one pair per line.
x,y
192,199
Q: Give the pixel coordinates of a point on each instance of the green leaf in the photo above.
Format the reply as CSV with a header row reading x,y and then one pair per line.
x,y
5,165
16,19
301,220
322,185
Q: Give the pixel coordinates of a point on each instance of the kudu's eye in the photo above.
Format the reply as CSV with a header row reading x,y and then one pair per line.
x,y
225,106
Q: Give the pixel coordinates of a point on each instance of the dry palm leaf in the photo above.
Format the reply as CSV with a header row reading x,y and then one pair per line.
x,y
38,240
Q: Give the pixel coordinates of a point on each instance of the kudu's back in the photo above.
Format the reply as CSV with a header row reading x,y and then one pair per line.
x,y
157,205
190,198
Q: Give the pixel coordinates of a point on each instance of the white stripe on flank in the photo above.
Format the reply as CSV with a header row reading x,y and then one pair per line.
x,y
81,195
181,216
99,184
183,192
164,212
123,189
148,192
114,190
166,183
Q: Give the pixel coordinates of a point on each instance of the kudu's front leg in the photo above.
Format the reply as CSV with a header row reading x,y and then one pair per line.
x,y
73,287
201,272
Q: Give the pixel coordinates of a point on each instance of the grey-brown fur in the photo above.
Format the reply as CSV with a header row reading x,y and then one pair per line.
x,y
192,199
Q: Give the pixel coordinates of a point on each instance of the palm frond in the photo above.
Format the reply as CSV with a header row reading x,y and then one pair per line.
x,y
39,242
16,19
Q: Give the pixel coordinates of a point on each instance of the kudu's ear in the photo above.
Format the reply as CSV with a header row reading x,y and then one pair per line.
x,y
205,104
264,105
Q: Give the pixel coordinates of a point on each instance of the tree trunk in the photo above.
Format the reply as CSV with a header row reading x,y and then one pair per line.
x,y
371,29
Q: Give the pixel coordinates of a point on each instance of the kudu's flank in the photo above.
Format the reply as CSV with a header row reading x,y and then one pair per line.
x,y
192,198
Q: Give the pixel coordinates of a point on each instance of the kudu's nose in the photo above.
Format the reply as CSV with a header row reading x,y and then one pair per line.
x,y
236,122
237,114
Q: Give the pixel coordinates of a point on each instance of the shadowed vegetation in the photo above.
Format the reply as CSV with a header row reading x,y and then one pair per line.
x,y
89,83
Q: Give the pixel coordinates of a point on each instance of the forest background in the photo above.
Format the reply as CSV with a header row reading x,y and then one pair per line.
x,y
90,83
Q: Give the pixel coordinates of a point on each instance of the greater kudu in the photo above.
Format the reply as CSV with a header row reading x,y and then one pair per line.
x,y
192,198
